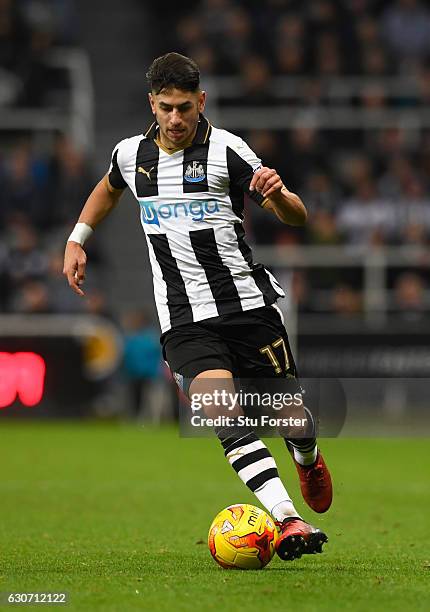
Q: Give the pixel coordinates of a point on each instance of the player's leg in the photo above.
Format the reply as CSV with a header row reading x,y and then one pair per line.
x,y
246,453
260,341
196,355
255,466
315,479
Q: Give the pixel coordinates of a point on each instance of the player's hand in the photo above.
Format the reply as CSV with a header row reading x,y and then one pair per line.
x,y
266,181
75,261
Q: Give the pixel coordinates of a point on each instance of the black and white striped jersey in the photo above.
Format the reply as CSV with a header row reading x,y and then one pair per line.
x,y
191,209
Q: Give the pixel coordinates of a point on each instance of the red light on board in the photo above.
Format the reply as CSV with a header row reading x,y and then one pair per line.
x,y
21,374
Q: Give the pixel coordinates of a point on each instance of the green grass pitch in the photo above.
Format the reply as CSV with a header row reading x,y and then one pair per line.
x,y
117,516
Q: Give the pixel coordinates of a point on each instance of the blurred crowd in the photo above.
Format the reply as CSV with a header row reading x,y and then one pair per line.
x,y
40,199
291,37
43,182
375,192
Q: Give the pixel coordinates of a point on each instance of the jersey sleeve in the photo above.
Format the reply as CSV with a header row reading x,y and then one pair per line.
x,y
114,173
242,162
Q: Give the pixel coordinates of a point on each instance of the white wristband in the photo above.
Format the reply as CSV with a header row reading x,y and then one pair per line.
x,y
81,233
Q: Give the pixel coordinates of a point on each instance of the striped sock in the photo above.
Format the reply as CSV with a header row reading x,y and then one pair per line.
x,y
255,466
305,450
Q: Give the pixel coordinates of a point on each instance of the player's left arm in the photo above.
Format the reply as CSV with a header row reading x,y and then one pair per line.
x,y
285,204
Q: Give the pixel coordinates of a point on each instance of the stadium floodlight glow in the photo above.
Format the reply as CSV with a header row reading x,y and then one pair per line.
x,y
22,375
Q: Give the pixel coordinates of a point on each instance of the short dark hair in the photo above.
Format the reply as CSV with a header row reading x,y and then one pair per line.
x,y
173,70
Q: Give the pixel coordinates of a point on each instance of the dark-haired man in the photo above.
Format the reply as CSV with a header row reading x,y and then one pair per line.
x,y
217,308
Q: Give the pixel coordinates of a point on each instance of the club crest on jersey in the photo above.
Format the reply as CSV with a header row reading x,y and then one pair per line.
x,y
194,173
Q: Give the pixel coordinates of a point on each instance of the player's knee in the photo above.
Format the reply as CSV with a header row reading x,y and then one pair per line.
x,y
213,392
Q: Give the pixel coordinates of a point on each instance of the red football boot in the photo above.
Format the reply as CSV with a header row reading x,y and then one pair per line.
x,y
315,483
297,538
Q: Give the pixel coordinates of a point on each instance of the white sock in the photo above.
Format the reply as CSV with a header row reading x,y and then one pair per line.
x,y
256,467
305,457
274,497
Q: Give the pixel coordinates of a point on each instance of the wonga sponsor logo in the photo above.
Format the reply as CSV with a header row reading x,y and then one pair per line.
x,y
152,212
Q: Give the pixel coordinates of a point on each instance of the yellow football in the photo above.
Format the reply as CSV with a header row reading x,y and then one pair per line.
x,y
242,536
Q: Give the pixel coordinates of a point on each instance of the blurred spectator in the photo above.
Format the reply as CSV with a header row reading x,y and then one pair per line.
x,y
291,50
256,81
367,32
373,97
415,235
346,301
424,85
322,229
96,303
409,297
374,61
406,27
237,40
142,358
206,59
13,40
267,144
391,142
190,31
58,17
320,192
27,259
413,209
312,93
329,61
355,169
303,154
301,292
71,181
215,15
291,29
364,215
24,191
398,174
290,58
32,298
34,70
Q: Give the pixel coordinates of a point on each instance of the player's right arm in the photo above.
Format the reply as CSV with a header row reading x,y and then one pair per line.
x,y
99,204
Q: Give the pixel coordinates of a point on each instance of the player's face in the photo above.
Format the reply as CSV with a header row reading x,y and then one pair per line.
x,y
177,114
